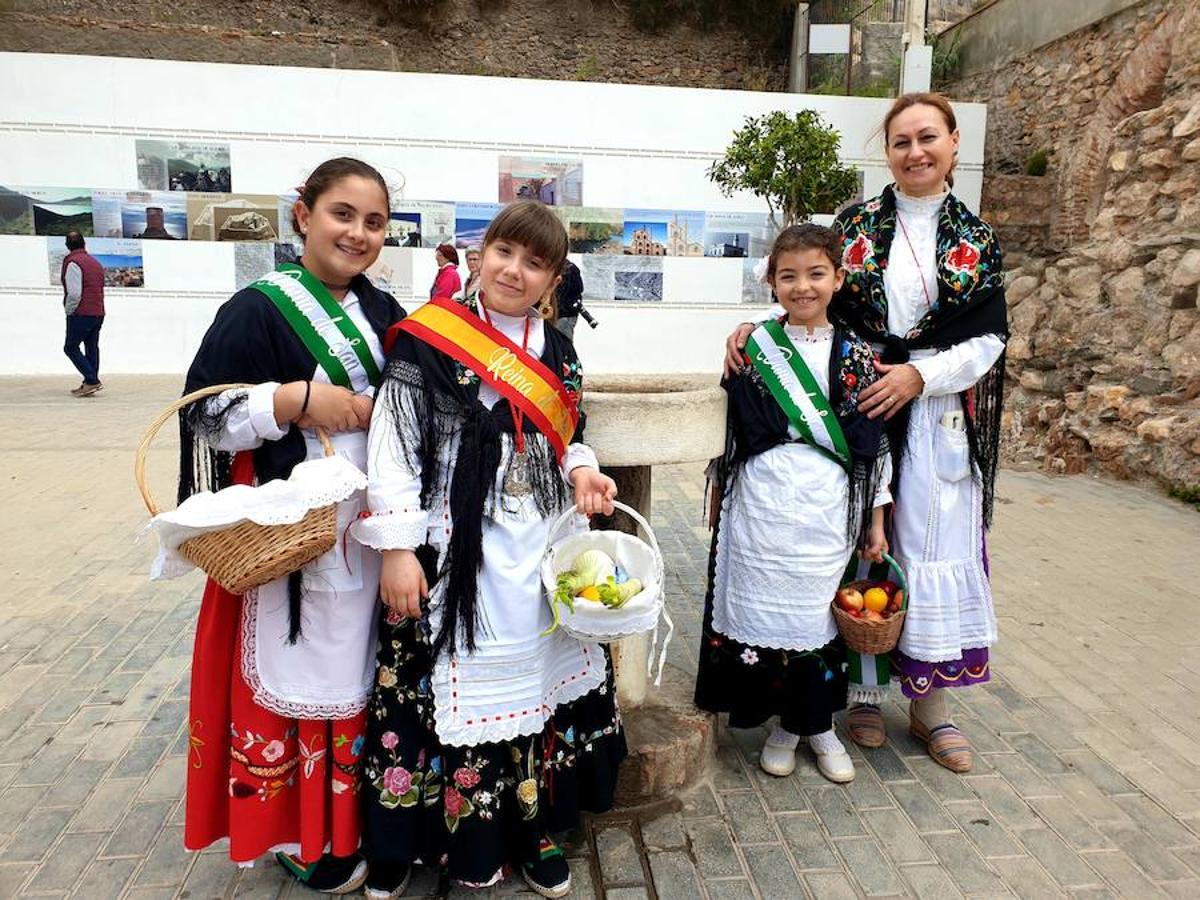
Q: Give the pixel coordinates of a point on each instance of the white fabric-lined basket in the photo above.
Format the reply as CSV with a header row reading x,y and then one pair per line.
x,y
640,559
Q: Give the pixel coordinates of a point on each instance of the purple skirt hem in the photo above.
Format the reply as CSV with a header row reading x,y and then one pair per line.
x,y
917,677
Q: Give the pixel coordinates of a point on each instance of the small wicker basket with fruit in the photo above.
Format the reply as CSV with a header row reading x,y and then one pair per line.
x,y
870,614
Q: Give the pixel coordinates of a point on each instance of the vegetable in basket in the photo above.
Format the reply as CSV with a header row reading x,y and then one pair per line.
x,y
592,567
614,595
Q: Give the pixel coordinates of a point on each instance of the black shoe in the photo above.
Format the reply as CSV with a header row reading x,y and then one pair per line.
x,y
387,881
328,875
550,876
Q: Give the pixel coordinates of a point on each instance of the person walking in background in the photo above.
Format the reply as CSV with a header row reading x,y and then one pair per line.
x,y
569,299
471,288
82,278
447,283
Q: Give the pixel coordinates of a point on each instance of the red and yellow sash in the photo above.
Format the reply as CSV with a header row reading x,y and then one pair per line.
x,y
514,373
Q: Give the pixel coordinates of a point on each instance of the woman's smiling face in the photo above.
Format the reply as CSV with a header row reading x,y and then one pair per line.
x,y
920,150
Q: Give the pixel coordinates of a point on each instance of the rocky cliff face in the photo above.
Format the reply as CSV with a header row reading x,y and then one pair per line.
x,y
586,40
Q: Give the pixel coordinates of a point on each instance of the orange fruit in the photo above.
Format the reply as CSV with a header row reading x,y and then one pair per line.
x,y
591,592
875,599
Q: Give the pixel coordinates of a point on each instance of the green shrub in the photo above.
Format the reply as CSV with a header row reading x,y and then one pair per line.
x,y
1038,163
1187,493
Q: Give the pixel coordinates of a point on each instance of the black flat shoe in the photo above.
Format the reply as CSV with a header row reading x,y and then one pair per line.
x,y
328,875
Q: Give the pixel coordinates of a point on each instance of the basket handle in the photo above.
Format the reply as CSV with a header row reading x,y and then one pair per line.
x,y
139,460
900,579
552,534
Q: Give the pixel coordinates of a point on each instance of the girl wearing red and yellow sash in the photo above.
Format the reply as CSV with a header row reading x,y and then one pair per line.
x,y
484,735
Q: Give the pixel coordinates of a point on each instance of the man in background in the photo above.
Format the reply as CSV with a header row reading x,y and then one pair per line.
x,y
569,299
82,278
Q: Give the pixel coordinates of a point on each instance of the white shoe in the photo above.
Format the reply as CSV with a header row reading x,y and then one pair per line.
x,y
832,759
777,759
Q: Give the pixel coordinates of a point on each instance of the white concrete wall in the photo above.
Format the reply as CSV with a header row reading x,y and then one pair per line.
x,y
75,119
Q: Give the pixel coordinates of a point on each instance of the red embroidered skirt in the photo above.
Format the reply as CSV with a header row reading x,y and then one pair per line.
x,y
262,780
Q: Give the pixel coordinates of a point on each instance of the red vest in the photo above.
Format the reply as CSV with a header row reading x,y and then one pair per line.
x,y
92,303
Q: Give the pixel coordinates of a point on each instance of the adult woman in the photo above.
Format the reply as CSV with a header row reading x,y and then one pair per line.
x,y
471,288
447,282
924,284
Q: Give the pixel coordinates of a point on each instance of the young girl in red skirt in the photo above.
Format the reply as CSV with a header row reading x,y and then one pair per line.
x,y
281,675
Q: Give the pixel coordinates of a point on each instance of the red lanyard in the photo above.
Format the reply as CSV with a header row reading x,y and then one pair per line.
x,y
920,271
518,416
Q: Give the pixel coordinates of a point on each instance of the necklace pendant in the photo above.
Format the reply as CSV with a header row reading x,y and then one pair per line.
x,y
516,479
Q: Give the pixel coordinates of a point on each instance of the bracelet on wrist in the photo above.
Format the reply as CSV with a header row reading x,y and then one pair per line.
x,y
307,393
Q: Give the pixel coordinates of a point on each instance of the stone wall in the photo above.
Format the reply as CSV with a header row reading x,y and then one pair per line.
x,y
1104,251
587,40
1043,100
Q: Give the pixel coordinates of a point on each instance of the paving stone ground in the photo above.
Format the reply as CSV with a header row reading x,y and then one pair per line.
x,y
1085,781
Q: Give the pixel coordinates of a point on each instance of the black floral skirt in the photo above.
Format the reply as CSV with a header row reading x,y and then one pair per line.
x,y
804,688
475,809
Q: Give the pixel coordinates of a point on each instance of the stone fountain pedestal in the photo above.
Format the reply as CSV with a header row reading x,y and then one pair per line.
x,y
634,423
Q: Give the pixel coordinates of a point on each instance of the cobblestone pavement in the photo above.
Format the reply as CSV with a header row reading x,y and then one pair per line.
x,y
1084,784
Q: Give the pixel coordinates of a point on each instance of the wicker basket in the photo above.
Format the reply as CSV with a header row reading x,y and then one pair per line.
x,y
245,555
866,637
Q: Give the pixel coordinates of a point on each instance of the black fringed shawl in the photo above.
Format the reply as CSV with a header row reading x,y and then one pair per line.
x,y
250,342
970,303
432,398
756,423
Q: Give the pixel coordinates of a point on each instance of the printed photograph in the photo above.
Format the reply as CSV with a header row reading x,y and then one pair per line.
x,y
183,166
595,230
662,232
753,290
44,210
471,221
234,217
393,272
404,230
151,215
121,258
251,262
556,182
640,287
737,234
726,243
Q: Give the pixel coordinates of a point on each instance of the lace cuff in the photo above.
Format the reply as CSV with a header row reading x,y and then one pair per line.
x,y
578,455
401,530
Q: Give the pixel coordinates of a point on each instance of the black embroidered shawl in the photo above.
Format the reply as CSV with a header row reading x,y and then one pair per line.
x,y
432,397
970,303
250,342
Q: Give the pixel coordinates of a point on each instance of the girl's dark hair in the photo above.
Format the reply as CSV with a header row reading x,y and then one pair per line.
x,y
806,237
923,98
534,225
329,173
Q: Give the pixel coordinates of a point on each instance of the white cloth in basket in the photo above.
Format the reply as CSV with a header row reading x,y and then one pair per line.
x,y
312,484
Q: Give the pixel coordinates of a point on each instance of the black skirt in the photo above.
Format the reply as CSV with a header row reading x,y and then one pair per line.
x,y
804,688
479,808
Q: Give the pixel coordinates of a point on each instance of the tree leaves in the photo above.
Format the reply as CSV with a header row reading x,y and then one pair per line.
x,y
791,161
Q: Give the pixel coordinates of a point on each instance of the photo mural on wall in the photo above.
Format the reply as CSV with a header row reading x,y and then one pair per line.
x,y
621,250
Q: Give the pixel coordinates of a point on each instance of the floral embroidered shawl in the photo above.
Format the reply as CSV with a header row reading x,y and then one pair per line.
x,y
970,303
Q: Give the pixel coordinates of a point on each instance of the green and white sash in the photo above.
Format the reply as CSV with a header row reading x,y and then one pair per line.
x,y
325,328
810,417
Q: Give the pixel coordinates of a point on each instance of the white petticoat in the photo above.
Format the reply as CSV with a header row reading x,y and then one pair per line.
x,y
938,536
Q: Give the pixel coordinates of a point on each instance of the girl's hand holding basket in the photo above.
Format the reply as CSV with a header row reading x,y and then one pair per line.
x,y
594,491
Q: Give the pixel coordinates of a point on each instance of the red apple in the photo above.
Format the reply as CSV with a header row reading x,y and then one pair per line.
x,y
890,586
871,616
849,599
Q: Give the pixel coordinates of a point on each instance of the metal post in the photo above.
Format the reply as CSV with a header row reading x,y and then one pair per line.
x,y
916,74
798,68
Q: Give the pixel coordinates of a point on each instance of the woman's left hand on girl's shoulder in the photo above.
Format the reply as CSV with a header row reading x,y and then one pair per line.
x,y
899,384
594,491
